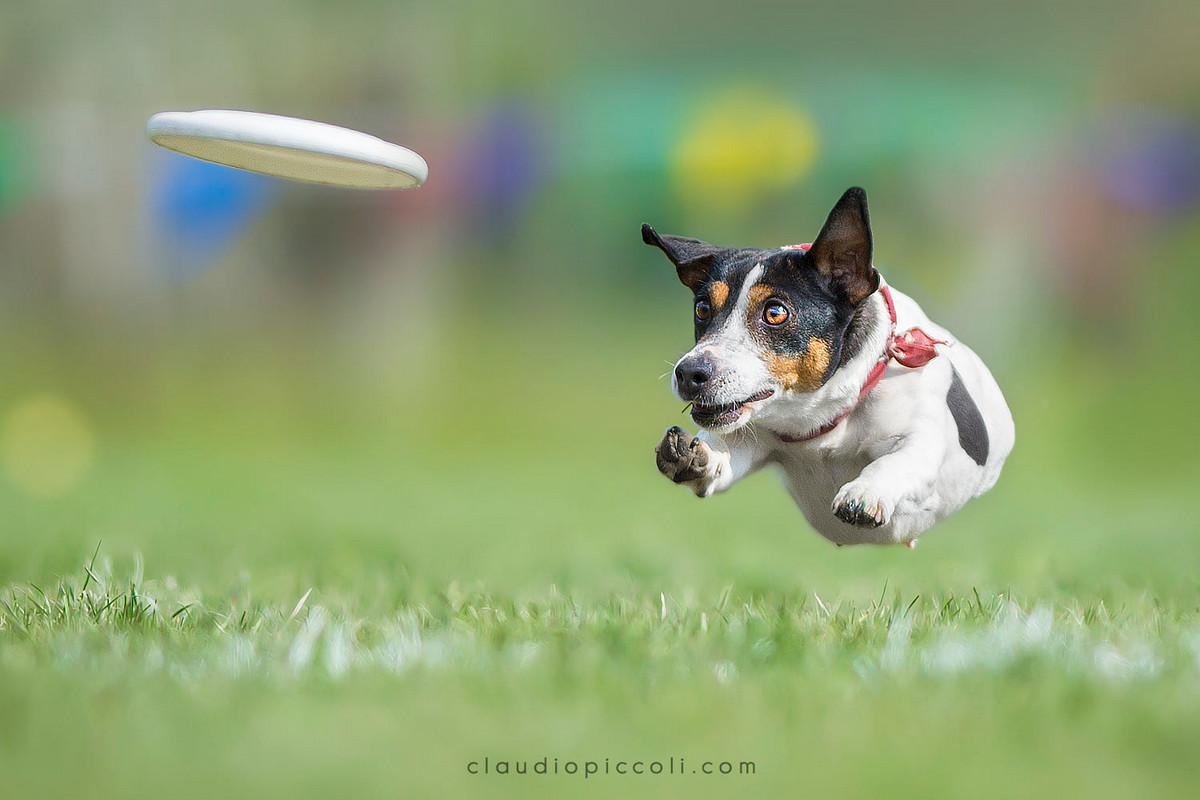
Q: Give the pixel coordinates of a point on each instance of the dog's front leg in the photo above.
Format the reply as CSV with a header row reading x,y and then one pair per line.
x,y
707,463
907,472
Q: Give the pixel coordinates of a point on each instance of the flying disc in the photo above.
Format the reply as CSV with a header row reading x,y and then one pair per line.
x,y
299,149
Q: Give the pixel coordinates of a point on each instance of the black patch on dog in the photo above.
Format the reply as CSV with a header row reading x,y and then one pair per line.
x,y
814,312
855,336
972,433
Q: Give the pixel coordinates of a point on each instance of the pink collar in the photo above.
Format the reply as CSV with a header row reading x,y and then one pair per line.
x,y
913,348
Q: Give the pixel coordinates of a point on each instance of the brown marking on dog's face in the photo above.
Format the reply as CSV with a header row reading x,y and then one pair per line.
x,y
757,295
718,293
804,373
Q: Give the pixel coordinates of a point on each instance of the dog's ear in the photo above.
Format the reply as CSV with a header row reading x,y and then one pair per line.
x,y
693,259
842,250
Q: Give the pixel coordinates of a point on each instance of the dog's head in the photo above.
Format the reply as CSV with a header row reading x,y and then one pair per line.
x,y
769,323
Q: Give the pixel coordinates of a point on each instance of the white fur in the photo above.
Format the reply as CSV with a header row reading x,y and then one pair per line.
x,y
897,454
732,344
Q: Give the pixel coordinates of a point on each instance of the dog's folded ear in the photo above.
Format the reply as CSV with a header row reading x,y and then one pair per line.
x,y
842,250
693,259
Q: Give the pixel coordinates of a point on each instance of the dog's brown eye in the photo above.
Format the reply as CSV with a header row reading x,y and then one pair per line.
x,y
703,310
775,314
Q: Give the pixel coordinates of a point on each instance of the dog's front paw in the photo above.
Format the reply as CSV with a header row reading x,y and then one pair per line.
x,y
682,457
861,505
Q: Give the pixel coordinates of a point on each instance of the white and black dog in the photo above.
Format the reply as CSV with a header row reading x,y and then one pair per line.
x,y
882,422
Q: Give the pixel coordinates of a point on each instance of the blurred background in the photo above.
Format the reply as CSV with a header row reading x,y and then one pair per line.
x,y
250,388
194,356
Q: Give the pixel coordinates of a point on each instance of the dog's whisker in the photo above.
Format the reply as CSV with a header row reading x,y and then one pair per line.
x,y
750,430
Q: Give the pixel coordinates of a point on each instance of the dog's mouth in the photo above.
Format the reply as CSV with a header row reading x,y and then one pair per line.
x,y
725,414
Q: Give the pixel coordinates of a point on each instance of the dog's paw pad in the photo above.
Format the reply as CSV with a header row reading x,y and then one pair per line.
x,y
852,512
681,456
860,508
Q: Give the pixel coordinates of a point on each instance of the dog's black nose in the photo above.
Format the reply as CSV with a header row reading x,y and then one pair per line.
x,y
692,373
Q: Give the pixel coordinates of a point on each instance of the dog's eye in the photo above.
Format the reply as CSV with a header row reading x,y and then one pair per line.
x,y
775,314
703,310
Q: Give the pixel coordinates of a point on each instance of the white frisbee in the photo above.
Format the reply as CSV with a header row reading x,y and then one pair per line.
x,y
299,149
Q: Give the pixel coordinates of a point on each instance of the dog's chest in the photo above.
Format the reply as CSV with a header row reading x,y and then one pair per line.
x,y
813,473
813,477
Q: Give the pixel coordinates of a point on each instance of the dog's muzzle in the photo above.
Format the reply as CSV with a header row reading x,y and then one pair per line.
x,y
693,376
725,414
697,380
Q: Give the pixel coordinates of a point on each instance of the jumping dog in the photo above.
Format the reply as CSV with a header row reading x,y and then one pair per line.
x,y
882,422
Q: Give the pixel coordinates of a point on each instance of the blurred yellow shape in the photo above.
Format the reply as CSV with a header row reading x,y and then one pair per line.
x,y
740,143
47,445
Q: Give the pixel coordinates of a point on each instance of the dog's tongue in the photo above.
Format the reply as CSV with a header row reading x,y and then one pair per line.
x,y
803,248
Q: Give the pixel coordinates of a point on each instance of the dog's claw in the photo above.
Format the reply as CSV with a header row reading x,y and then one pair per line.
x,y
855,511
852,512
681,456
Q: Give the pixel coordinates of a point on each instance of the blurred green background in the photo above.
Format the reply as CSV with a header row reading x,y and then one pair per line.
x,y
246,385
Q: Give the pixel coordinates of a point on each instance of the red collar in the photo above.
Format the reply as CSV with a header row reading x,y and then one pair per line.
x,y
913,348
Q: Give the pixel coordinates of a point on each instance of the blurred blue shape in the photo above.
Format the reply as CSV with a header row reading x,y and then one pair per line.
x,y
200,210
503,164
1150,161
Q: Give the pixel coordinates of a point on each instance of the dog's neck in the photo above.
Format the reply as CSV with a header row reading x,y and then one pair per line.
x,y
796,416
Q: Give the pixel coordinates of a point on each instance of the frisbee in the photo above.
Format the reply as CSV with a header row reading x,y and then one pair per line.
x,y
286,147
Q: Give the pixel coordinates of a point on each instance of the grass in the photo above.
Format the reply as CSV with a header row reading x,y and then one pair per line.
x,y
285,581
471,630
898,694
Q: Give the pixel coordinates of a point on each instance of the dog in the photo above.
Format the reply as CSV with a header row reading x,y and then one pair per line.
x,y
882,422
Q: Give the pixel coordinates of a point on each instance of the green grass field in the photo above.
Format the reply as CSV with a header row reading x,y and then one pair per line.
x,y
281,578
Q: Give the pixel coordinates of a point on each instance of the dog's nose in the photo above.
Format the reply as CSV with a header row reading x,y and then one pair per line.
x,y
692,373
